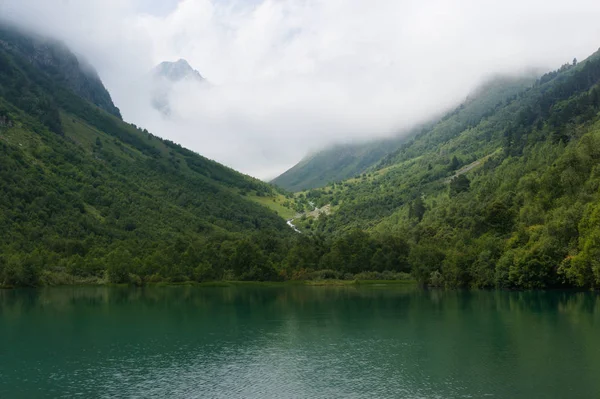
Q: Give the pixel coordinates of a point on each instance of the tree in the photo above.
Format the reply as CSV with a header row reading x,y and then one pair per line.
x,y
454,164
23,270
247,259
118,266
459,184
425,259
417,209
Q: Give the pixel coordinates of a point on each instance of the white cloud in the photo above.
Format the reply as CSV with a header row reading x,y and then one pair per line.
x,y
293,75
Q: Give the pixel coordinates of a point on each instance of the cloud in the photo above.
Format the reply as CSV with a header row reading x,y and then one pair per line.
x,y
290,76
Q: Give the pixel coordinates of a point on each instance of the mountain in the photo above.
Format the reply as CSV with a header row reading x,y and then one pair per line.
x,y
166,76
495,194
344,161
509,199
334,164
57,63
86,196
177,71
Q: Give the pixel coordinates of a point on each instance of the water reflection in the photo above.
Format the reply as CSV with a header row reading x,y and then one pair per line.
x,y
297,342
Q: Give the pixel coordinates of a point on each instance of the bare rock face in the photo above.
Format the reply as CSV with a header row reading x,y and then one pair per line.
x,y
58,62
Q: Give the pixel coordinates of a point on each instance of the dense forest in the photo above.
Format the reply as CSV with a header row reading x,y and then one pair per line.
x,y
507,199
503,191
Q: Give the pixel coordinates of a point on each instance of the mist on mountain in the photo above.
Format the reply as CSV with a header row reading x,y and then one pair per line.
x,y
168,77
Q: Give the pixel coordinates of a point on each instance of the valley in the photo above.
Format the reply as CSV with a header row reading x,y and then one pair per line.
x,y
499,192
436,233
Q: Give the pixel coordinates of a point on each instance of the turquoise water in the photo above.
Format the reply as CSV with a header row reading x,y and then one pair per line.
x,y
298,342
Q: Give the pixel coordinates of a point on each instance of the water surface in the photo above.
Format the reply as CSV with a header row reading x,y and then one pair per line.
x,y
298,342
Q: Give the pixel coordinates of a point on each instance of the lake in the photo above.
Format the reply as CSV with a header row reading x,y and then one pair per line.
x,y
298,342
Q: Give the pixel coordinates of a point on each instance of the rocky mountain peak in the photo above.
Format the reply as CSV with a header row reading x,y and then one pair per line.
x,y
177,71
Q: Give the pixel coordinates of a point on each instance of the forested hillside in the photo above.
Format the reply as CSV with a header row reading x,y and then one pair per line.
x,y
83,192
345,161
508,199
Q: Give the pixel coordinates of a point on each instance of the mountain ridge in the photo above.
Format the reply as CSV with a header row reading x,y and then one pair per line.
x,y
343,161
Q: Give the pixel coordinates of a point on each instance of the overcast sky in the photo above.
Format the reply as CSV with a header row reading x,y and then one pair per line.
x,y
290,76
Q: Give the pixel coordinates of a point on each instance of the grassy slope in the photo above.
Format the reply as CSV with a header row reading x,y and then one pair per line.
x,y
278,203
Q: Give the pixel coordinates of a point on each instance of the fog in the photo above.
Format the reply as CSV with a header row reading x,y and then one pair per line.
x,y
290,76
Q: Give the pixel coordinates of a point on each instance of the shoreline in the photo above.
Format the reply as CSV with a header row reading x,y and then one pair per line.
x,y
230,283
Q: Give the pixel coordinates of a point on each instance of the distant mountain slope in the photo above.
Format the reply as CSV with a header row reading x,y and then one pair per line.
x,y
510,199
334,164
83,192
59,64
342,162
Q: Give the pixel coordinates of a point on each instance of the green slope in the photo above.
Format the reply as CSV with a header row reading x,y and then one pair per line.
x,y
335,164
342,162
83,191
53,60
509,200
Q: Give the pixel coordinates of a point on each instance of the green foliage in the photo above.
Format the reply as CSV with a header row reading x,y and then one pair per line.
x,y
426,260
21,269
417,209
583,267
119,265
459,184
